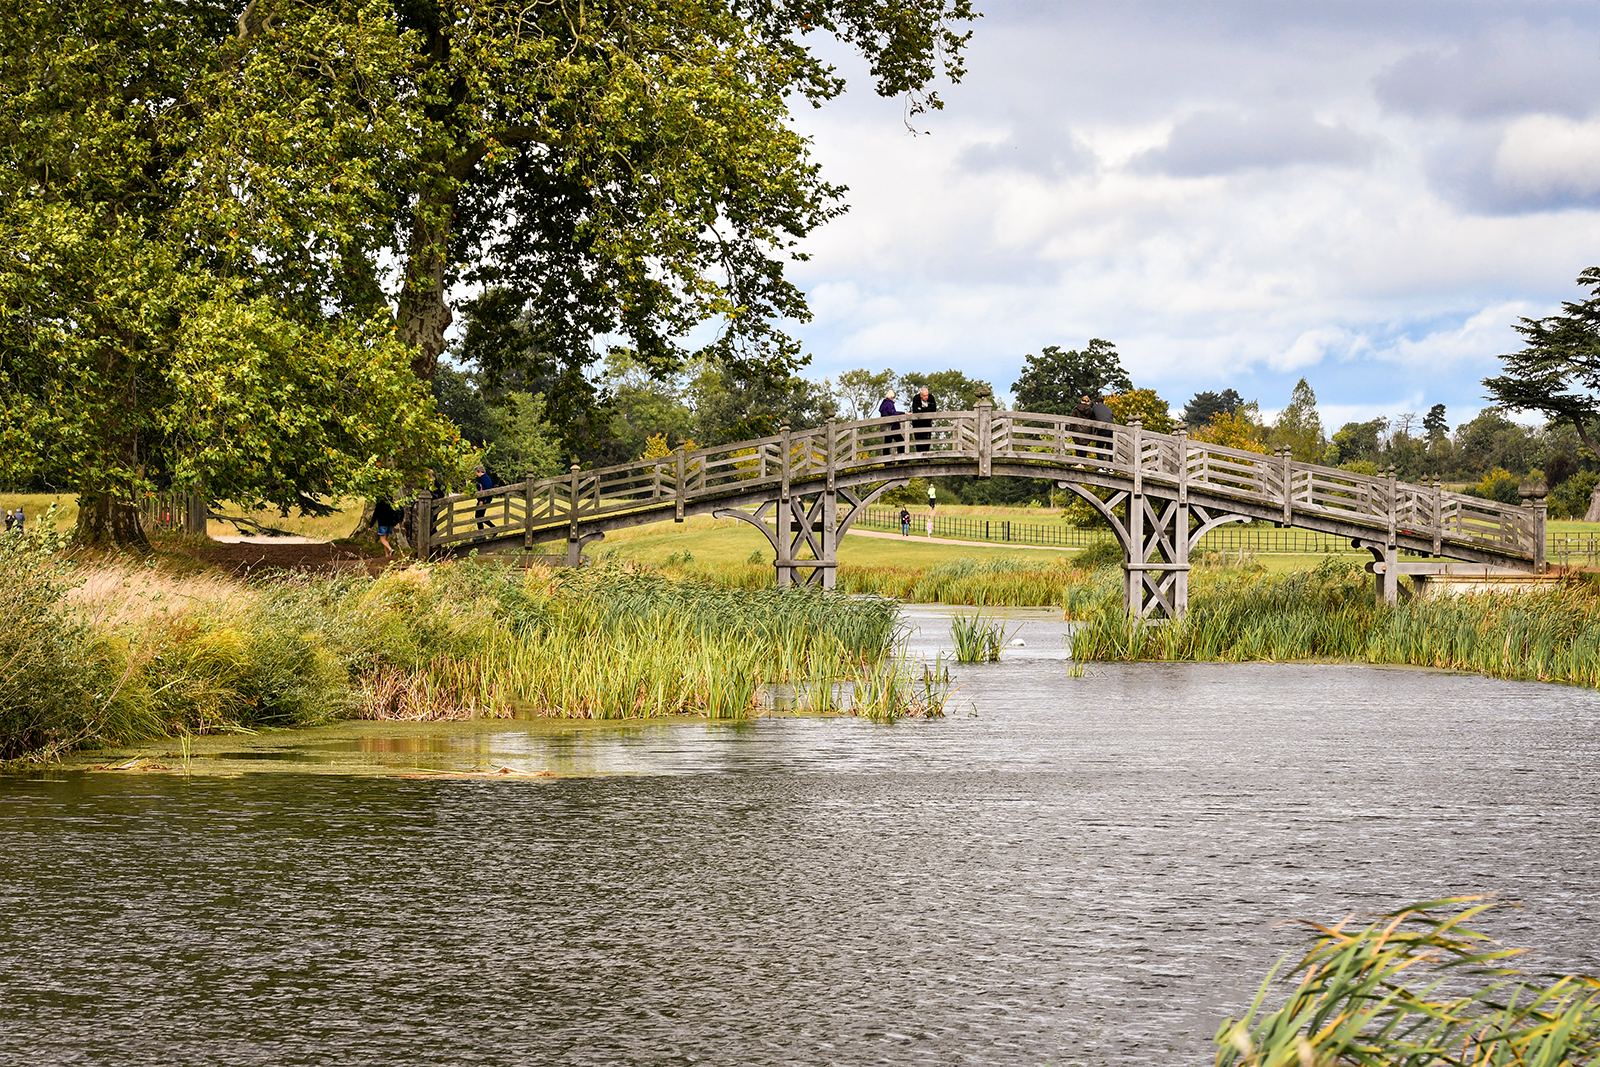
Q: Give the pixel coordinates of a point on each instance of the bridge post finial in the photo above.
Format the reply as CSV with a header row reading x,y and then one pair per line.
x,y
1533,497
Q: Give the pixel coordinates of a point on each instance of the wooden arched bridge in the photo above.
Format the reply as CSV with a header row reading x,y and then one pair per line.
x,y
1160,493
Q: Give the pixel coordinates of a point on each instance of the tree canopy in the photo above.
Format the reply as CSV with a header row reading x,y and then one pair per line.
x,y
229,236
1202,406
1557,372
1053,381
176,305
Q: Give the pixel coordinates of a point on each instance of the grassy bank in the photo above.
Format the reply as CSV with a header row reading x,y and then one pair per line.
x,y
1331,613
116,652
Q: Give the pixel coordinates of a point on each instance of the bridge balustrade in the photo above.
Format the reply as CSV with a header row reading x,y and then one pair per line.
x,y
1127,460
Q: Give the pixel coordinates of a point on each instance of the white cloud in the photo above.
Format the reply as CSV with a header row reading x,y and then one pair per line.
x,y
1549,155
1236,194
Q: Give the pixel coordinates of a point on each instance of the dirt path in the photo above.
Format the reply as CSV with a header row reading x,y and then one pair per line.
x,y
951,541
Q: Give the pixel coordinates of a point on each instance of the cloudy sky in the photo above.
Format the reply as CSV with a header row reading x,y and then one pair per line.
x,y
1237,194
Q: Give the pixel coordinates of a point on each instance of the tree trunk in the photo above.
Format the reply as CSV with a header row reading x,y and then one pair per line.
x,y
103,520
424,314
1593,514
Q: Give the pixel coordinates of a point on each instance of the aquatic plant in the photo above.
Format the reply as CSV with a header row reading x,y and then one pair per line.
x,y
1330,613
894,688
978,638
1416,988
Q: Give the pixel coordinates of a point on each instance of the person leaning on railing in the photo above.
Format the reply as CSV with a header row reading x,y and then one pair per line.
x,y
922,404
893,439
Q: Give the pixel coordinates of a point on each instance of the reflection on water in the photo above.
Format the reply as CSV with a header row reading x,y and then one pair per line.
x,y
1073,870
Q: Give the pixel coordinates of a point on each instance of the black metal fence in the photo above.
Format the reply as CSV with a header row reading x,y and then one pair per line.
x,y
1575,550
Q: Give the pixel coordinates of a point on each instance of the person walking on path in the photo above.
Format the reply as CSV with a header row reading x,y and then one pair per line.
x,y
18,522
905,522
385,516
484,481
933,498
930,524
922,404
892,431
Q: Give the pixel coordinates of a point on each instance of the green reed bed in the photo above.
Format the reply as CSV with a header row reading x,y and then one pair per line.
x,y
1331,613
117,653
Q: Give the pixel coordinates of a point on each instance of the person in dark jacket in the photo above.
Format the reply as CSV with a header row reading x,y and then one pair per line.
x,y
905,522
922,404
385,516
892,431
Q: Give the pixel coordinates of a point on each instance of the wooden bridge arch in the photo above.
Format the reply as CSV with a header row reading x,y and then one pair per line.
x,y
805,489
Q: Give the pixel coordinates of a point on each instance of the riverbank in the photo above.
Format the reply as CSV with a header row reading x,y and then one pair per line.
x,y
118,650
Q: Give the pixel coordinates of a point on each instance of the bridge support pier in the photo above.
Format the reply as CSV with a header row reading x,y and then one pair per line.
x,y
1387,577
804,530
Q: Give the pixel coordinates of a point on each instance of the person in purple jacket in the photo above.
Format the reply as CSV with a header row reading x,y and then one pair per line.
x,y
892,430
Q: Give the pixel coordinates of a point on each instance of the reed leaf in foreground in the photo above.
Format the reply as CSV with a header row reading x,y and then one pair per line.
x,y
1418,989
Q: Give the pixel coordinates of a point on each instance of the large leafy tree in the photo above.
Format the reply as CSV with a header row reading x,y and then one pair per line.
x,y
1557,372
1299,426
186,295
1053,381
625,167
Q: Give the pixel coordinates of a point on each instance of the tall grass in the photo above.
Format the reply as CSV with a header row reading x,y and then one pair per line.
x,y
978,638
1331,613
119,652
1419,988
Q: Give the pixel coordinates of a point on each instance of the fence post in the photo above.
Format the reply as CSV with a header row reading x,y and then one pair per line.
x,y
1533,498
424,523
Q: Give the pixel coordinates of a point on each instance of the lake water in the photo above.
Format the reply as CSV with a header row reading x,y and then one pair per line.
x,y
1064,870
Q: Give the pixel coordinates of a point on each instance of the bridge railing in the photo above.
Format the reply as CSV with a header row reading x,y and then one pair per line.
x,y
897,443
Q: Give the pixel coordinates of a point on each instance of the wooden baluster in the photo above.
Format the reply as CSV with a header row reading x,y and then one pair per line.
x,y
828,446
1438,516
572,512
1288,487
679,486
1392,503
1183,469
985,407
1136,438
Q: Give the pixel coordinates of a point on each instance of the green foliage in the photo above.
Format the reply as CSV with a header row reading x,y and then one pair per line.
x,y
1417,987
1142,406
1557,372
1499,484
632,172
1299,427
861,390
978,638
1433,423
459,640
1570,499
178,202
1358,441
1053,381
1330,613
1200,409
953,390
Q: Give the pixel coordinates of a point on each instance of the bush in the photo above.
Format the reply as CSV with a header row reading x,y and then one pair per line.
x,y
1499,484
52,682
1570,499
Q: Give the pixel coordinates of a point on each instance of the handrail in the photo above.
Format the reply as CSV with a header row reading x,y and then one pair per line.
x,y
1176,462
